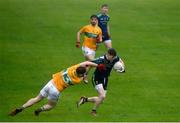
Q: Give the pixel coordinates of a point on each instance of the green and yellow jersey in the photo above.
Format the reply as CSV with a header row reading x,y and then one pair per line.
x,y
91,33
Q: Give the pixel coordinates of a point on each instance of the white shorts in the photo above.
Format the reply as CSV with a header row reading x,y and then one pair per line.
x,y
87,51
50,91
100,87
107,41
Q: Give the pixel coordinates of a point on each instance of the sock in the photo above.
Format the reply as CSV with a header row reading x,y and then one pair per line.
x,y
86,99
21,108
42,108
93,110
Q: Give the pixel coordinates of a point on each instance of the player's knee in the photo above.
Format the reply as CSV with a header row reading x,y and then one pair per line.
x,y
89,58
108,46
51,104
49,107
102,97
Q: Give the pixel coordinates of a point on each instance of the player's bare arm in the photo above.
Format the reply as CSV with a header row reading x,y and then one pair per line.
x,y
78,39
88,64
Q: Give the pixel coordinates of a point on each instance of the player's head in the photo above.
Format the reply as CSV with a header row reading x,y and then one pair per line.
x,y
80,71
104,8
111,53
94,20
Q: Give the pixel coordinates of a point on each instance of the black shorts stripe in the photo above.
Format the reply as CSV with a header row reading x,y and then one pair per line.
x,y
103,81
93,81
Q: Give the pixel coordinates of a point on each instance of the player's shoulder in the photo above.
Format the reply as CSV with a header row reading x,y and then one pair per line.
x,y
99,60
102,15
98,28
87,26
102,57
98,15
107,15
116,58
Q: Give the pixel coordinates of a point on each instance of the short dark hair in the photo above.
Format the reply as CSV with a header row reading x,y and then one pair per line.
x,y
104,5
80,70
93,16
112,52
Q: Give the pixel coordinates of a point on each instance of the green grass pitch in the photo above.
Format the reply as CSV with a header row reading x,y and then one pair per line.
x,y
37,39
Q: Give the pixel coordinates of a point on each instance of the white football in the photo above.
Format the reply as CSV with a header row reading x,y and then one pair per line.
x,y
119,67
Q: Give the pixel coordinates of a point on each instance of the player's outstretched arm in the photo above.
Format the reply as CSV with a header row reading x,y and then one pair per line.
x,y
88,64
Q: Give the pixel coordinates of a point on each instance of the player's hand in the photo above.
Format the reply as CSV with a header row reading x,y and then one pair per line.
x,y
120,71
78,44
98,40
101,67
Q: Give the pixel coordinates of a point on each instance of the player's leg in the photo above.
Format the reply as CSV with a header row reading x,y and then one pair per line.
x,y
108,44
107,41
85,99
32,101
29,103
98,100
43,93
50,105
89,55
53,96
100,86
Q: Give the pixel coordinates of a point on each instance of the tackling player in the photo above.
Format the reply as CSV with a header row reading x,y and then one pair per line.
x,y
53,89
100,78
103,19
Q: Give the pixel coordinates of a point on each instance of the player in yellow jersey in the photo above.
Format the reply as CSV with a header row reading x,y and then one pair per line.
x,y
52,90
92,36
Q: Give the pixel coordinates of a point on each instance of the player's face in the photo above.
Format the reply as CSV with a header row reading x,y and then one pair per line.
x,y
104,10
80,75
94,21
109,57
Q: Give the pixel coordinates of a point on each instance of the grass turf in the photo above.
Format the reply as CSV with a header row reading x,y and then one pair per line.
x,y
38,39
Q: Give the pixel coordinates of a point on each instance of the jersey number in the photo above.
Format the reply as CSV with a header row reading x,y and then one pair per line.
x,y
66,78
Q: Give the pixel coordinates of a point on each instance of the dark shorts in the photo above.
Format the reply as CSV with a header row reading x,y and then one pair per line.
x,y
103,81
105,37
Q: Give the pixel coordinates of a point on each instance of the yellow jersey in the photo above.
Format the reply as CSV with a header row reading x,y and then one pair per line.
x,y
66,78
91,33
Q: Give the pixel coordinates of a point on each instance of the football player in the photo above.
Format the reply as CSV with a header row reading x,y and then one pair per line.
x,y
53,89
103,19
92,36
100,79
